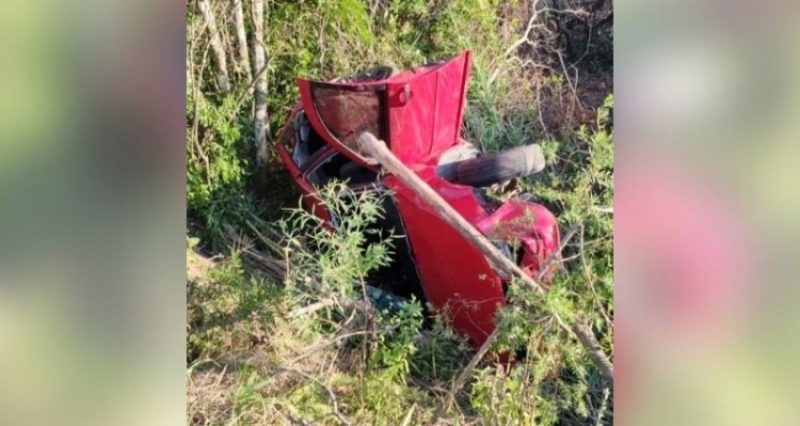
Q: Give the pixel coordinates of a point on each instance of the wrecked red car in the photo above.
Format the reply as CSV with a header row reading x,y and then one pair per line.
x,y
418,113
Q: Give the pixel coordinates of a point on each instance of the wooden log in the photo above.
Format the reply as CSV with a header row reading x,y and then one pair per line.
x,y
504,266
378,151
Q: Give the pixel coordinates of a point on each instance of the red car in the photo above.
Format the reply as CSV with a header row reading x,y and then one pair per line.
x,y
418,113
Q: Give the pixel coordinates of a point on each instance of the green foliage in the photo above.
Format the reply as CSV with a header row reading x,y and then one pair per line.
x,y
582,191
226,309
506,398
247,396
217,171
394,354
440,355
342,257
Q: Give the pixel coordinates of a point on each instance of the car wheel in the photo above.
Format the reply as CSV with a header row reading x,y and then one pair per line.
x,y
501,167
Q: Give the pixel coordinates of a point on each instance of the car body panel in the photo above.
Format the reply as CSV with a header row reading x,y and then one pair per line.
x,y
455,276
529,223
285,146
421,109
419,114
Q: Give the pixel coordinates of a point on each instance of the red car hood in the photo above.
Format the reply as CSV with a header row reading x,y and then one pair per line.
x,y
418,112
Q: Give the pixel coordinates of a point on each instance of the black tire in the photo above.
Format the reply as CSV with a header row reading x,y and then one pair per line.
x,y
501,167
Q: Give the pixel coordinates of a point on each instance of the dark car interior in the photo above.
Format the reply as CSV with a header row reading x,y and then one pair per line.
x,y
341,168
308,141
336,166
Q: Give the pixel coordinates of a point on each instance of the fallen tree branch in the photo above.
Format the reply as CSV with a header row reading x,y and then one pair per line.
x,y
378,151
314,307
592,347
467,371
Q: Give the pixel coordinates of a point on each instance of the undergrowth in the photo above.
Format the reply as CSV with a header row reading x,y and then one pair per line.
x,y
255,260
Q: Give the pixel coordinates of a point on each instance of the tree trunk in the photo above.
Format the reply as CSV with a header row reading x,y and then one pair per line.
x,y
241,38
216,45
259,59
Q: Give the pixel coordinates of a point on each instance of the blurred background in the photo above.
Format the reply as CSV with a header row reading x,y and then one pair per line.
x,y
92,267
706,198
92,275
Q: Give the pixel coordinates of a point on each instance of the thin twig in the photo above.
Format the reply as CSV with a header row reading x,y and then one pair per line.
x,y
277,249
587,273
598,421
247,89
539,108
528,29
556,256
572,87
574,12
314,307
467,371
407,418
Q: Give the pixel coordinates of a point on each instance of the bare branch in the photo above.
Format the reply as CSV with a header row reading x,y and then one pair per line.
x,y
467,371
556,256
377,150
573,87
531,25
314,307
